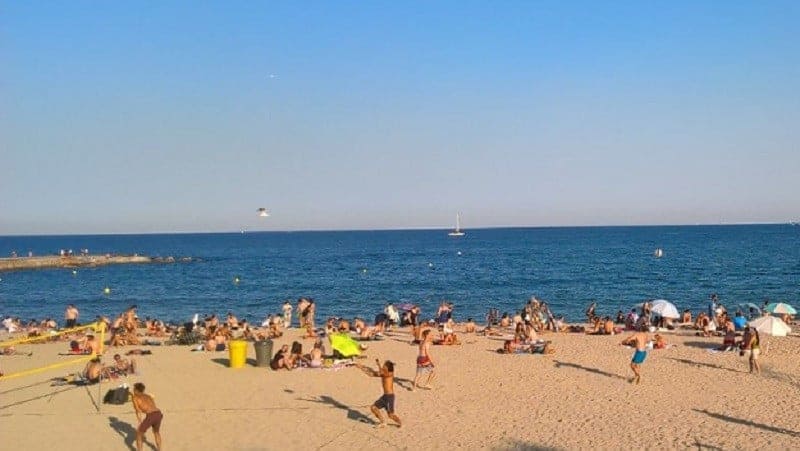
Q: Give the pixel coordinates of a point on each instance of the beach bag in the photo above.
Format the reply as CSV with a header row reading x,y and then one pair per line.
x,y
117,396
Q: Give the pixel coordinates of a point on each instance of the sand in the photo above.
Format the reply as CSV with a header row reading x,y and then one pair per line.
x,y
579,398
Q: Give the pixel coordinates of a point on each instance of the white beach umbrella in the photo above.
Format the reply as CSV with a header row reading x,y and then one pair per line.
x,y
771,325
664,308
780,308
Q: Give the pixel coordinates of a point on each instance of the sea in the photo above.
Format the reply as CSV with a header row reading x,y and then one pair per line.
x,y
356,273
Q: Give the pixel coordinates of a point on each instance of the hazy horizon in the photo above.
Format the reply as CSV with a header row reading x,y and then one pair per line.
x,y
180,117
431,229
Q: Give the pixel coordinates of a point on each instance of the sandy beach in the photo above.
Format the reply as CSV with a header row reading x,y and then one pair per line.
x,y
579,398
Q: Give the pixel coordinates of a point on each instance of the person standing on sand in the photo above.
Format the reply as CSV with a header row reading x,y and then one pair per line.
x,y
71,317
143,403
287,315
639,340
424,362
751,347
386,373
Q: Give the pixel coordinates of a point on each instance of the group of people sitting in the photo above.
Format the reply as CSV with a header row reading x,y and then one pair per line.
x,y
95,371
291,358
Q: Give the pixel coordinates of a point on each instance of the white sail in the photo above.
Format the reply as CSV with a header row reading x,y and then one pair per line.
x,y
457,231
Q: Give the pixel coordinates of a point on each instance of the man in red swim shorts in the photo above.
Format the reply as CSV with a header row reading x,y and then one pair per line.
x,y
143,403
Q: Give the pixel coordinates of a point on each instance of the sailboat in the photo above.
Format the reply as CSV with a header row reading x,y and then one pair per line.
x,y
457,231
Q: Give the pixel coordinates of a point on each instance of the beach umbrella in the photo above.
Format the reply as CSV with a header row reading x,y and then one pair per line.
x,y
780,308
771,325
664,308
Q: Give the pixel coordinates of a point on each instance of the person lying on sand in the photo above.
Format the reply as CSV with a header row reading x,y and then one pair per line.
x,y
490,331
514,347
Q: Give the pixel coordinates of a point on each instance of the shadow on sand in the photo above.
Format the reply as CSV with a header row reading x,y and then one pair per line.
x,y
703,344
352,414
707,365
125,430
408,384
519,445
744,422
559,364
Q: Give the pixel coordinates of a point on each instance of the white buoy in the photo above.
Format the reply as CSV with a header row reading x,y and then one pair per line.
x,y
658,253
430,265
106,290
459,252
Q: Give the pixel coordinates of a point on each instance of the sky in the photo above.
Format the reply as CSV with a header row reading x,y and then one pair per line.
x,y
162,116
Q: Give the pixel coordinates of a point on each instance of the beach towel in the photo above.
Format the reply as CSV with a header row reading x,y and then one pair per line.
x,y
342,343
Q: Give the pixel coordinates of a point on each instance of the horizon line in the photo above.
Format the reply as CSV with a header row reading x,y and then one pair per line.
x,y
421,228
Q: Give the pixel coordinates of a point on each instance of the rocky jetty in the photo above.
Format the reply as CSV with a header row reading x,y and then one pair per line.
x,y
78,261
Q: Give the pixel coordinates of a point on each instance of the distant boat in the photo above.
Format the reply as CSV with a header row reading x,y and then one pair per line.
x,y
457,231
658,253
262,212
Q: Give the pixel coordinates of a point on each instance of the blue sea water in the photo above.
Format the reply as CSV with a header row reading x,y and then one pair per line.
x,y
357,272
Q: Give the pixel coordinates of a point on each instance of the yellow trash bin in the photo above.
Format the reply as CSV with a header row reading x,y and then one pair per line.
x,y
238,353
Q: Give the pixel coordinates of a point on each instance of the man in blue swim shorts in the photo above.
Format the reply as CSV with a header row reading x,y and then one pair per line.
x,y
639,341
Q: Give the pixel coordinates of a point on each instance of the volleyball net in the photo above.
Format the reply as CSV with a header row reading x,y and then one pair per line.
x,y
97,327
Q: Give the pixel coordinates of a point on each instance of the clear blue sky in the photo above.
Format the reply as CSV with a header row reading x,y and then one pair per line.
x,y
172,116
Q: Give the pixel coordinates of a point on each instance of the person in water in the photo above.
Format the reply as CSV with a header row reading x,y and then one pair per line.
x,y
386,373
639,341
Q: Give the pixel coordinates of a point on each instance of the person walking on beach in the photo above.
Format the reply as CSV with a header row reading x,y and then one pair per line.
x,y
751,347
639,341
386,373
424,362
71,316
143,403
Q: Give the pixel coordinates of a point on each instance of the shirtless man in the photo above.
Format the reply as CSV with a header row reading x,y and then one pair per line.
x,y
94,370
386,373
424,362
143,403
639,340
92,346
71,316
